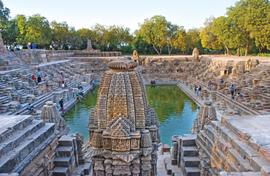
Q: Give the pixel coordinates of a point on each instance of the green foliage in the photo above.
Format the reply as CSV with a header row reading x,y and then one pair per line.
x,y
9,33
208,38
4,13
193,40
60,34
154,32
38,30
245,28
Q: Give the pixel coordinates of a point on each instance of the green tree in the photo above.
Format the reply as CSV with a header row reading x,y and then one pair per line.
x,y
86,34
60,34
37,30
4,11
10,32
20,21
7,28
256,20
249,17
193,40
154,32
208,38
179,41
172,31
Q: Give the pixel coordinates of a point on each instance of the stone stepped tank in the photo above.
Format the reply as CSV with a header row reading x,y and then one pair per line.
x,y
123,129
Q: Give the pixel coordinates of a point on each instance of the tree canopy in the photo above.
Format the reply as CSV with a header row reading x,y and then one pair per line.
x,y
244,29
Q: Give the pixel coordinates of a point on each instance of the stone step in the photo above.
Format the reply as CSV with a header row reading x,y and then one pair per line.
x,y
189,151
60,171
190,161
14,140
62,161
66,141
191,171
64,151
18,154
10,127
189,140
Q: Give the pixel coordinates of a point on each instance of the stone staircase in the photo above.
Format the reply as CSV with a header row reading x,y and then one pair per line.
x,y
67,161
189,159
21,139
64,161
229,148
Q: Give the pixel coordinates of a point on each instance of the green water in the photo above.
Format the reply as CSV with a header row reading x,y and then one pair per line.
x,y
175,112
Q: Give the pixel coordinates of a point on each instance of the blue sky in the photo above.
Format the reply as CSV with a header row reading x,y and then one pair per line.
x,y
86,13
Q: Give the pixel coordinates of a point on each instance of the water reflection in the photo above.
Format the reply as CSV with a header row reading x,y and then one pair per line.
x,y
77,118
175,111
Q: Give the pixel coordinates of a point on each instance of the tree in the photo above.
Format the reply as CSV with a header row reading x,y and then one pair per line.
x,y
20,21
248,18
208,38
60,34
179,41
172,31
154,32
37,30
256,21
86,34
193,40
4,15
10,32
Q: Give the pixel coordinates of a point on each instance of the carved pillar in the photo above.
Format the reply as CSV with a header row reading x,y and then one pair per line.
x,y
99,167
108,167
136,167
146,166
174,150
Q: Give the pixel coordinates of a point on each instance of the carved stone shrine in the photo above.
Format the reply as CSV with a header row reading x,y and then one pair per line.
x,y
123,129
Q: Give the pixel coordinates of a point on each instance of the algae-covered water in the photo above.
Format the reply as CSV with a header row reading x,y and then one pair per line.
x,y
174,109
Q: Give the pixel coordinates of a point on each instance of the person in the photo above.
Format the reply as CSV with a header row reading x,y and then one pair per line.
x,y
221,81
30,108
232,90
80,87
195,89
33,77
38,75
199,90
153,83
62,78
61,103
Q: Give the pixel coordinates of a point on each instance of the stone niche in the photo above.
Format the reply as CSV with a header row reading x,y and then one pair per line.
x,y
123,129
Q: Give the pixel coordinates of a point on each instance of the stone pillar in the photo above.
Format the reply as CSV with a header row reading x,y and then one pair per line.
x,y
174,150
99,167
196,54
108,167
50,114
146,166
136,167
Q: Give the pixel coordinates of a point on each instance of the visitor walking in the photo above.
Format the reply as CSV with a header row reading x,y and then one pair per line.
x,y
199,90
61,103
195,89
232,90
39,74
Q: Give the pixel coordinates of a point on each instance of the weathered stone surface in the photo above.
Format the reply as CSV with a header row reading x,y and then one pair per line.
x,y
121,129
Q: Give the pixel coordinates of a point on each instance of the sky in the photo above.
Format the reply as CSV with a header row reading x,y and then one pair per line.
x,y
128,13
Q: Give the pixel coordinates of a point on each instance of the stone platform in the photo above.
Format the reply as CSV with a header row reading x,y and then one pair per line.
x,y
22,139
236,144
